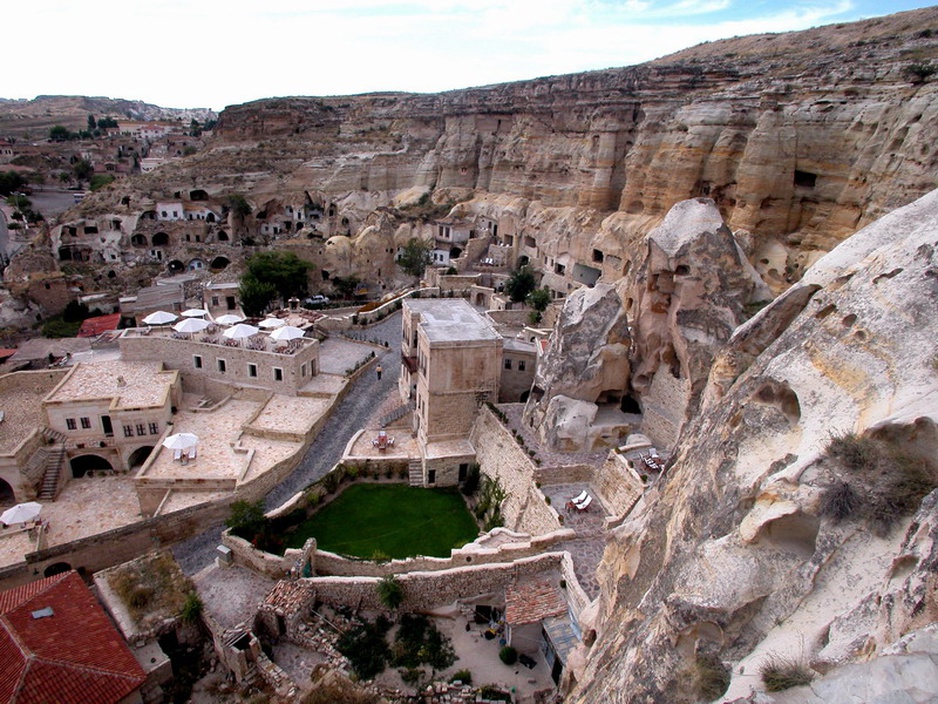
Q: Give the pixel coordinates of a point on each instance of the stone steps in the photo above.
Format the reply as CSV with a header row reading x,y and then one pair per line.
x,y
415,472
50,481
397,414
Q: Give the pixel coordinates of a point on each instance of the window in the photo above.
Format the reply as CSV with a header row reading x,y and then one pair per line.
x,y
141,429
222,366
278,374
197,361
85,422
303,369
128,431
507,363
71,424
252,369
521,365
154,428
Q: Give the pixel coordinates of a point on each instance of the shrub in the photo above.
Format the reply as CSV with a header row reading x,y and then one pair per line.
x,y
463,676
191,608
247,518
508,655
780,673
855,452
366,648
390,591
839,501
491,693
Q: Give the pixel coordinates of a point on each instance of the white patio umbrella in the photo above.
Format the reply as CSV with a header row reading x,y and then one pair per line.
x,y
286,333
191,325
181,441
228,319
271,323
160,317
194,313
240,331
20,513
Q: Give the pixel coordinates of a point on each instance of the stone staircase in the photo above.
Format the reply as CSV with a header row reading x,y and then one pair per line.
x,y
397,414
415,471
55,460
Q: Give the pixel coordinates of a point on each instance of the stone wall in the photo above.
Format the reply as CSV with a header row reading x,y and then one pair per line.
x,y
265,563
618,485
431,589
332,565
122,544
663,408
502,458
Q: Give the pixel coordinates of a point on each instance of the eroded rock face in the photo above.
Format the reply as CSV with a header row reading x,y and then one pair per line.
x,y
688,296
587,361
732,556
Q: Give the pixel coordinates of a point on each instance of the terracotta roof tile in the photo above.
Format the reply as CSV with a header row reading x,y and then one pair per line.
x,y
529,602
73,656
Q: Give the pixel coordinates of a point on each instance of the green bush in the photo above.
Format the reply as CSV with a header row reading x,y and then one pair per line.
x,y
366,648
780,673
463,676
390,591
191,608
508,655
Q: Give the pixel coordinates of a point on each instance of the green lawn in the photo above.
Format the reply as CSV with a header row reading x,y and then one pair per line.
x,y
393,519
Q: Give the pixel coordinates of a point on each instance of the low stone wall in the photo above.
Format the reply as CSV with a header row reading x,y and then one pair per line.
x,y
246,555
571,474
500,457
618,485
432,589
122,544
330,564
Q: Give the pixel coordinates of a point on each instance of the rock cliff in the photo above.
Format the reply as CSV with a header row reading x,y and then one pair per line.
x,y
791,526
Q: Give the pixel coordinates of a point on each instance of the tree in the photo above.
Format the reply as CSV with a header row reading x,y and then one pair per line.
x,y
285,271
60,133
10,182
255,295
346,285
239,205
538,299
83,169
247,518
99,181
520,284
92,123
415,257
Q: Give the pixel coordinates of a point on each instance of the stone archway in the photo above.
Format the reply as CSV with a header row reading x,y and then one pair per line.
x,y
176,266
219,263
83,464
222,236
160,239
7,495
56,568
139,456
139,240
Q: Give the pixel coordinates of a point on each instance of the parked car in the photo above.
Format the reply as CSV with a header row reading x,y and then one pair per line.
x,y
318,300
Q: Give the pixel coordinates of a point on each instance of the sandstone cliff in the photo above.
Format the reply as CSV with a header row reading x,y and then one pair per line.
x,y
738,555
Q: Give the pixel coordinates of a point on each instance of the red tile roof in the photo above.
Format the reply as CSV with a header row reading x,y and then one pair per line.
x,y
529,602
73,656
93,327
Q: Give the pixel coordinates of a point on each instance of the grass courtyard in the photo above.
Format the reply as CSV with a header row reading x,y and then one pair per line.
x,y
389,520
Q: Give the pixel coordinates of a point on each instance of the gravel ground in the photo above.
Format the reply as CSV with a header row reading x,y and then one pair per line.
x,y
354,412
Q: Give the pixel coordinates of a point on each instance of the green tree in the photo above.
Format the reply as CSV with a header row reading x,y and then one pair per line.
x,y
10,182
415,257
239,205
83,169
390,591
92,123
255,295
106,123
285,271
520,284
60,133
346,285
246,518
538,299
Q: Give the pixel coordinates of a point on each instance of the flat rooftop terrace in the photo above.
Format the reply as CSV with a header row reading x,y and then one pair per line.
x,y
129,384
452,320
21,404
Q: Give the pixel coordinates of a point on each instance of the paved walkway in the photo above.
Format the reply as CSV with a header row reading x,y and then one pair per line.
x,y
365,395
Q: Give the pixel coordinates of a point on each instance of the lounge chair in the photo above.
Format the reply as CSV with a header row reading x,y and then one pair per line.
x,y
585,504
580,498
177,455
192,452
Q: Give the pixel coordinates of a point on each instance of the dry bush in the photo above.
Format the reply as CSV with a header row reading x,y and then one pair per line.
x,y
780,673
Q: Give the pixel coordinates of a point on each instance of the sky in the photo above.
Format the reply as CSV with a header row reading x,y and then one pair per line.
x,y
213,53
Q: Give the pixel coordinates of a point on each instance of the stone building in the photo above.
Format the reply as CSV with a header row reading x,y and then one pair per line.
x,y
451,364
